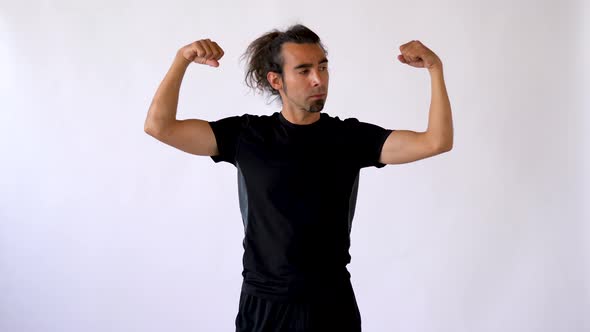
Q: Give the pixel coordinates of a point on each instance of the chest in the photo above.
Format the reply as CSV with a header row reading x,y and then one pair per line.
x,y
313,164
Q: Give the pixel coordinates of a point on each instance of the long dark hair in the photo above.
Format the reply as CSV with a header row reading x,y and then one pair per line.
x,y
263,55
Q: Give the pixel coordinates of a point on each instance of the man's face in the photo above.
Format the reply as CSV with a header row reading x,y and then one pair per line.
x,y
305,77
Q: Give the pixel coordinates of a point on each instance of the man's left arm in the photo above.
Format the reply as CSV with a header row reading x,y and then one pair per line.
x,y
404,146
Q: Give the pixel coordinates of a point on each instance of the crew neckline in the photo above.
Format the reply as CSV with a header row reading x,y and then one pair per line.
x,y
303,126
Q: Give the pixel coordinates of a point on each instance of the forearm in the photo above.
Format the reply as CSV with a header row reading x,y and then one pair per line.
x,y
440,121
165,102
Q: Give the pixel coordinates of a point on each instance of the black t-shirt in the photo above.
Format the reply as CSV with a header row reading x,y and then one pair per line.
x,y
297,187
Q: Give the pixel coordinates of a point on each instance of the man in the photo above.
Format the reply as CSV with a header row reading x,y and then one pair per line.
x,y
298,172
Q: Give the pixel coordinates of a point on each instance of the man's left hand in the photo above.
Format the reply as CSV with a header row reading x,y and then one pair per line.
x,y
418,55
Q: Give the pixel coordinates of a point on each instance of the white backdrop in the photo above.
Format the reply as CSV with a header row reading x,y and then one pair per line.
x,y
103,228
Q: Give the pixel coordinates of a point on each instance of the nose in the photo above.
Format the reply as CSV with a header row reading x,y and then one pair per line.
x,y
316,78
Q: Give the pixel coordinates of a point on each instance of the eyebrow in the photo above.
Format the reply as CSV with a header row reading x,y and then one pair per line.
x,y
309,65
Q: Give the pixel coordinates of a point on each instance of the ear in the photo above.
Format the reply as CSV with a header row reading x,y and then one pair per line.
x,y
275,80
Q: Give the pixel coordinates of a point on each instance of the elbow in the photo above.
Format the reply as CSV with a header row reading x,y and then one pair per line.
x,y
155,122
444,146
151,128
447,148
445,143
148,128
440,143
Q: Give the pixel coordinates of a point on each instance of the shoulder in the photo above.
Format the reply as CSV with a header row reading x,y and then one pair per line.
x,y
245,123
244,120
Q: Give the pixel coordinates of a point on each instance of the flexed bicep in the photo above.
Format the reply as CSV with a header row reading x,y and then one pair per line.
x,y
404,146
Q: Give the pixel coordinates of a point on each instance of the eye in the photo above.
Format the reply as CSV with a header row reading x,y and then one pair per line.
x,y
305,71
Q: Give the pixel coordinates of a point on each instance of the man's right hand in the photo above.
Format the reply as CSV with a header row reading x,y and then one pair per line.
x,y
204,51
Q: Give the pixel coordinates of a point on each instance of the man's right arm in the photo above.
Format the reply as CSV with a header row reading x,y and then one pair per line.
x,y
192,135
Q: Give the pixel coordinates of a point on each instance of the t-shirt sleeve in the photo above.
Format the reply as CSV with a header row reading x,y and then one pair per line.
x,y
367,142
227,133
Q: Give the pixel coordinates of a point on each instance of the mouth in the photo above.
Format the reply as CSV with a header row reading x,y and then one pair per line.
x,y
319,96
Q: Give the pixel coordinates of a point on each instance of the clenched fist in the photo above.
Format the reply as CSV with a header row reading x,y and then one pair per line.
x,y
418,55
204,51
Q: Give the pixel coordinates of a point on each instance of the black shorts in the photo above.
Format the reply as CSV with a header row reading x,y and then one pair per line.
x,y
336,312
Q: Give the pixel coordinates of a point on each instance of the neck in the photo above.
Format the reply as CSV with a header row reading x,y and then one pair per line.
x,y
300,116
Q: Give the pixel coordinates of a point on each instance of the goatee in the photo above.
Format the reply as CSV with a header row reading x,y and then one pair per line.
x,y
317,106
